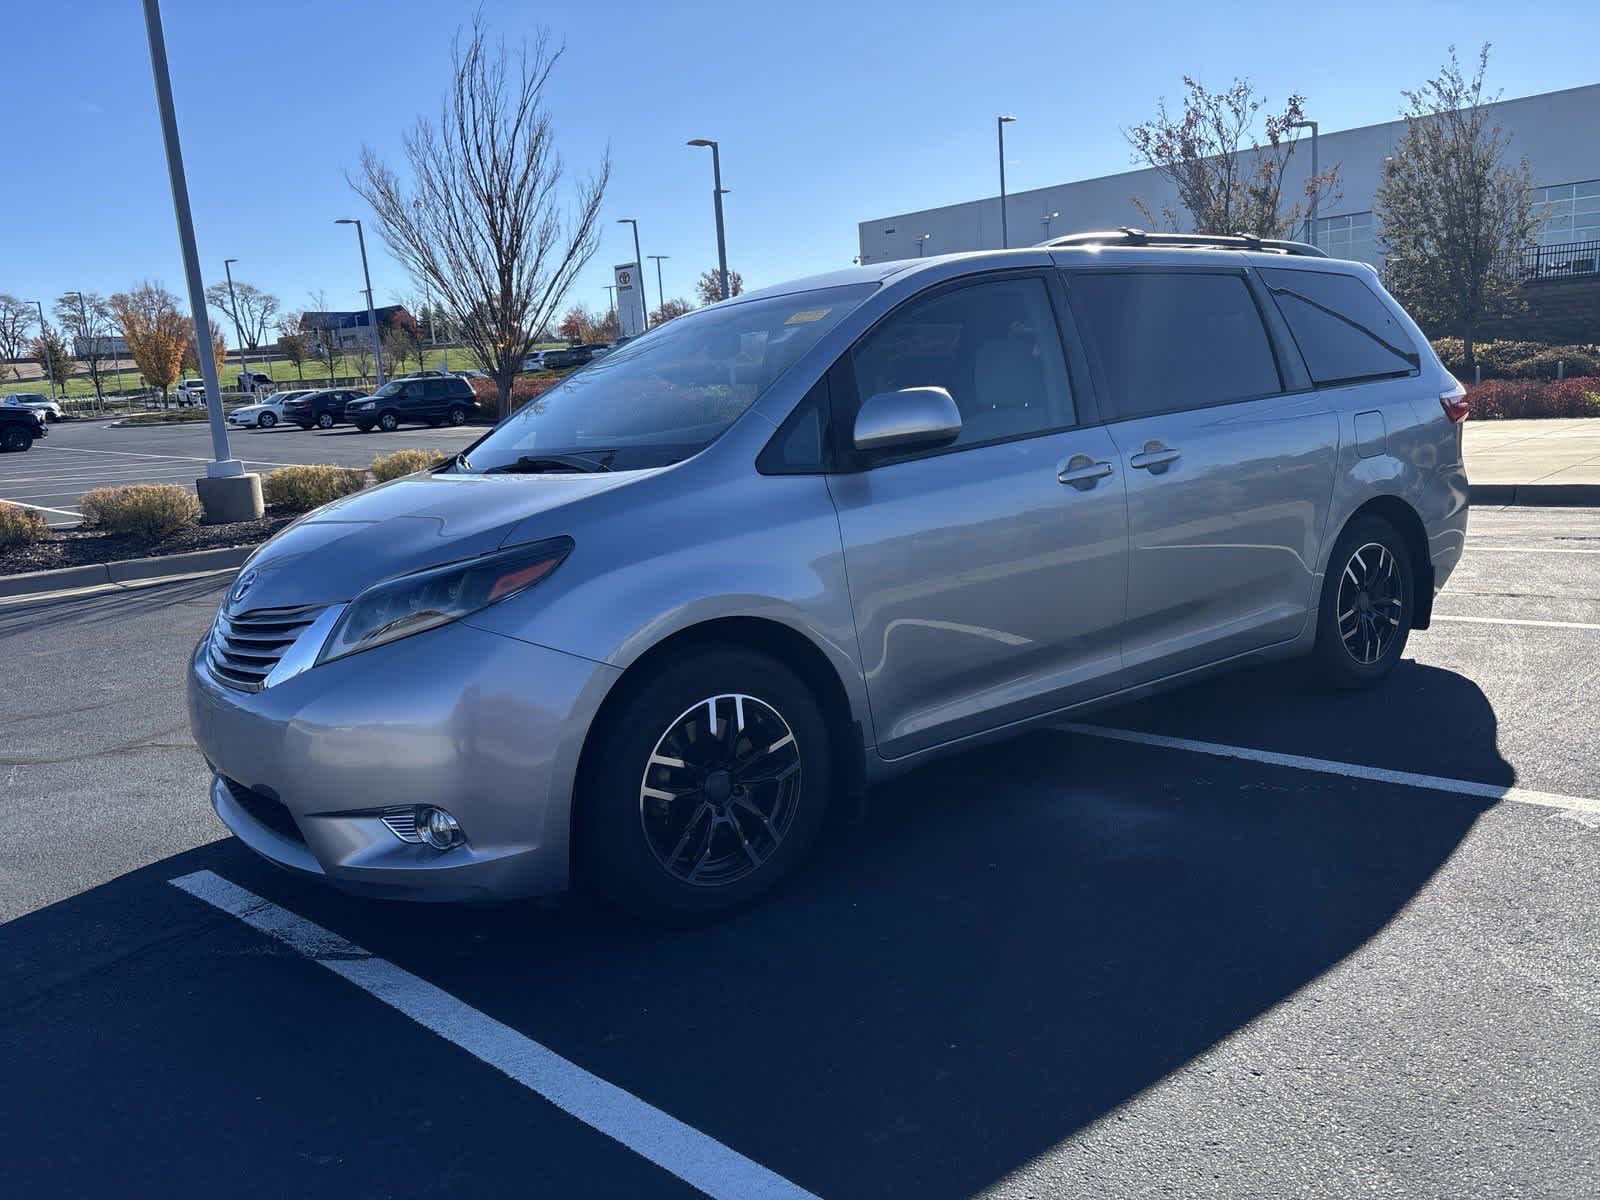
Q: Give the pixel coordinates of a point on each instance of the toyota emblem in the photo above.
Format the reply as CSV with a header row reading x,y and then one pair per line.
x,y
241,586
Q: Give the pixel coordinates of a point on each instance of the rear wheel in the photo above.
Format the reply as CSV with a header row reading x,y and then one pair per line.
x,y
458,415
325,421
15,439
388,422
266,421
1367,604
705,787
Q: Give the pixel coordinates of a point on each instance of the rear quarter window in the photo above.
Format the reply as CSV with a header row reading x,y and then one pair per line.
x,y
1344,331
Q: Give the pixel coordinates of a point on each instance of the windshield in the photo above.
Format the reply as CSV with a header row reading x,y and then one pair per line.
x,y
671,392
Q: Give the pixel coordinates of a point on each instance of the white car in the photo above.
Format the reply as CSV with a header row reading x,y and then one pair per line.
x,y
37,401
264,415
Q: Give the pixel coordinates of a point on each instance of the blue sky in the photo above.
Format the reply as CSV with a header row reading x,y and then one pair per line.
x,y
828,114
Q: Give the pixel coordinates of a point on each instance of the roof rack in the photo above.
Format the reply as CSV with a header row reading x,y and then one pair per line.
x,y
1129,236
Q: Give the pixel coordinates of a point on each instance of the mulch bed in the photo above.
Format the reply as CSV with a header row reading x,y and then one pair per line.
x,y
74,548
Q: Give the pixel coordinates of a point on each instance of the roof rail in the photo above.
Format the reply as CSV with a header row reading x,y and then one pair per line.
x,y
1129,236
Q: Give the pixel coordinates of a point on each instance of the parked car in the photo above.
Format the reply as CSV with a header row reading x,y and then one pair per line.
x,y
255,383
414,401
267,413
567,356
534,360
813,536
37,401
191,391
323,409
21,426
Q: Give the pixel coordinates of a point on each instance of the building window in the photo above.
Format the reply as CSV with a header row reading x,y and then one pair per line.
x,y
1349,236
1567,212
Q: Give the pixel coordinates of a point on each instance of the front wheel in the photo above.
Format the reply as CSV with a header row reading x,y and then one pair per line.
x,y
705,786
325,421
388,422
1367,604
15,439
266,421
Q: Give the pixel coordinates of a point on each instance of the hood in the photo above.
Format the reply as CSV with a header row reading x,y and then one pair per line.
x,y
330,555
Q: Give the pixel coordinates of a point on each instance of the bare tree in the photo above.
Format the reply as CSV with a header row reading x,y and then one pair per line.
x,y
324,338
361,355
709,288
87,319
249,308
1227,180
1451,211
16,318
293,344
480,224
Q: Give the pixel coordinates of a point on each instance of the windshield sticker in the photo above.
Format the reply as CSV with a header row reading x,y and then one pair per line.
x,y
806,315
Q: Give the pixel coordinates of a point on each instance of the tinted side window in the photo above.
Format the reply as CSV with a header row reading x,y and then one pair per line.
x,y
1177,341
993,346
1344,331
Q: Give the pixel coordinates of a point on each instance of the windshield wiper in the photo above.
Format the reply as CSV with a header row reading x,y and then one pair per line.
x,y
536,463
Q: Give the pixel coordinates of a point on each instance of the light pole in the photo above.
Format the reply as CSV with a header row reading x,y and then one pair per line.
x,y
716,195
372,316
920,240
233,304
611,301
1045,221
638,262
1000,124
83,332
227,493
1311,219
49,359
661,296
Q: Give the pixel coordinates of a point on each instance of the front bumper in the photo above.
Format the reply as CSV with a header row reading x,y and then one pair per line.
x,y
485,726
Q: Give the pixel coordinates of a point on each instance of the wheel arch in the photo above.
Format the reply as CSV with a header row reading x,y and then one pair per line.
x,y
1408,523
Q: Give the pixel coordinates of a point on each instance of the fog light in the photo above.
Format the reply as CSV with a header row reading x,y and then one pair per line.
x,y
438,828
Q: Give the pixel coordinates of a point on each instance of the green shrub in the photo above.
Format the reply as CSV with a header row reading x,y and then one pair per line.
x,y
151,509
20,526
295,489
403,462
1518,360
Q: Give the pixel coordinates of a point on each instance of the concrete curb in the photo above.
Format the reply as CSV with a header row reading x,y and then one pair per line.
x,y
1535,495
69,579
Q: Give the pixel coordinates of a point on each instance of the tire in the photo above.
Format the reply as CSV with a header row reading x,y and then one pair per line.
x,y
1370,559
364,428
457,415
740,842
388,422
15,439
325,420
266,421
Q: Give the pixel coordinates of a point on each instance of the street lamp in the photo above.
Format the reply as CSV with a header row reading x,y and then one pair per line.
x,y
49,359
661,296
716,194
233,305
638,262
1311,219
1045,221
372,316
1000,124
920,240
611,304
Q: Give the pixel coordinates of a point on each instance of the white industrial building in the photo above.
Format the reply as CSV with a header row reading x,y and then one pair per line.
x,y
1557,132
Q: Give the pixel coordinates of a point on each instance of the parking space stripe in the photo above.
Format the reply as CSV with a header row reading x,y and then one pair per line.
x,y
1517,621
1328,766
65,512
262,462
698,1160
1471,549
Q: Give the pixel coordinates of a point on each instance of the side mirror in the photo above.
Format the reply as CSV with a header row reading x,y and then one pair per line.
x,y
911,418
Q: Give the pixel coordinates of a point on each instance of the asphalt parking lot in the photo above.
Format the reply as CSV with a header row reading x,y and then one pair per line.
x,y
1246,939
80,455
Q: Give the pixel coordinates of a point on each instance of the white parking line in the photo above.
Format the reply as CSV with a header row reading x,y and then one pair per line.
x,y
65,512
698,1160
1470,549
1517,621
1328,766
134,454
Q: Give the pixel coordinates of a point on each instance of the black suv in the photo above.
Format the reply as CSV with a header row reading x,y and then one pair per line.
x,y
567,356
429,401
20,426
323,409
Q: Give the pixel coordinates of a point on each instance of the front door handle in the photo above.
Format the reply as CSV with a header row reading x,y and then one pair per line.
x,y
1083,472
1154,458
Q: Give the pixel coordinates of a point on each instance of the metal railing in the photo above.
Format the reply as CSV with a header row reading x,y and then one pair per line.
x,y
1550,262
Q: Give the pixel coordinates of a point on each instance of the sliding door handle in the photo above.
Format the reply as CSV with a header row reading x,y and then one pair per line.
x,y
1083,472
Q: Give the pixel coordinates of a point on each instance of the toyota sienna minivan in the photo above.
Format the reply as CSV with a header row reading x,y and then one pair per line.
x,y
644,631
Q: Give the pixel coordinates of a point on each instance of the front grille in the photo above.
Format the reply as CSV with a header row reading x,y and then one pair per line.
x,y
265,810
245,647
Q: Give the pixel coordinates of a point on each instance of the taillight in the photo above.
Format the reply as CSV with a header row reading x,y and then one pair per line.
x,y
1454,403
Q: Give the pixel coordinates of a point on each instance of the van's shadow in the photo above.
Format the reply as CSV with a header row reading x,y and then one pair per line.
x,y
1017,941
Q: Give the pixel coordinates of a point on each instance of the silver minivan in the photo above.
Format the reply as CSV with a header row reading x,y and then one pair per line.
x,y
644,631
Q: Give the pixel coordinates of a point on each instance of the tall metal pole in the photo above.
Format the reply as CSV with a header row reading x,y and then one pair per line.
x,y
1311,218
716,195
661,296
223,465
638,262
372,316
1000,124
233,304
49,358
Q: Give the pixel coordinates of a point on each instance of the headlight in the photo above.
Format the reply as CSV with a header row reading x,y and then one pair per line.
x,y
426,599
